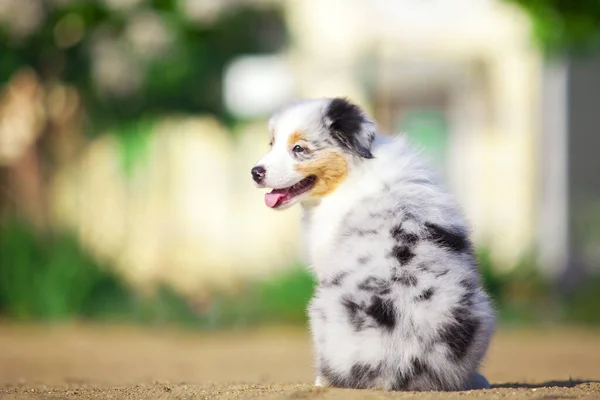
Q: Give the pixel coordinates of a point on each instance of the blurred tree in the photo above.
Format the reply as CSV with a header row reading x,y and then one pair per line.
x,y
564,25
133,58
110,63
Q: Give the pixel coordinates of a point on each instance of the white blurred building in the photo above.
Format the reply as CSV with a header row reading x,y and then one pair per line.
x,y
515,136
460,76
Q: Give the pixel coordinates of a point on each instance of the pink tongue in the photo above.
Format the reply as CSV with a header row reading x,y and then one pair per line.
x,y
271,199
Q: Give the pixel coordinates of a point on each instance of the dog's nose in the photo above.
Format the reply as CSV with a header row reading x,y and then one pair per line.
x,y
258,173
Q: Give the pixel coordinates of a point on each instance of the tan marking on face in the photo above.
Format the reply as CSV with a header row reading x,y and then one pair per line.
x,y
330,168
294,138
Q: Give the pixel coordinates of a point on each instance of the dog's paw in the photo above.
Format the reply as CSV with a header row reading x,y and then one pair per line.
x,y
320,382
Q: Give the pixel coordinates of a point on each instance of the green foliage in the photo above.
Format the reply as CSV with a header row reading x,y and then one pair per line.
x,y
179,71
280,299
50,277
44,279
582,305
520,294
285,297
563,25
494,282
134,139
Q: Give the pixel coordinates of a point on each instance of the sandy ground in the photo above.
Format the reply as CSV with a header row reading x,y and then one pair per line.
x,y
99,362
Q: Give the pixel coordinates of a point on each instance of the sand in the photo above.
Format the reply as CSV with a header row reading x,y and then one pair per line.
x,y
104,362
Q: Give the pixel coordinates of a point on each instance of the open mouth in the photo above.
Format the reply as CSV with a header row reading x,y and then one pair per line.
x,y
278,197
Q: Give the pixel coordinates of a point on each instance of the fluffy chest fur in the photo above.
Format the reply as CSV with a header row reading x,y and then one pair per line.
x,y
322,224
376,195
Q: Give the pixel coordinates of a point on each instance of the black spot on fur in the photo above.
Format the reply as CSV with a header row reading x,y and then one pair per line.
x,y
400,235
426,295
333,377
408,215
459,334
382,311
421,367
361,375
335,280
402,253
423,267
355,314
468,284
441,273
401,382
363,260
466,299
418,366
374,284
338,278
346,123
404,278
455,241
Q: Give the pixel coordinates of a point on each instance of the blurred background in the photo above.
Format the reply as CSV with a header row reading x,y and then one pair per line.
x,y
128,129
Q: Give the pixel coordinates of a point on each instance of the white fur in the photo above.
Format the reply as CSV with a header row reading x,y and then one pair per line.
x,y
387,334
335,339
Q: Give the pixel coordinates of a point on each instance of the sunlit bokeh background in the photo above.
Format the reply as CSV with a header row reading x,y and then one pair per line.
x,y
128,129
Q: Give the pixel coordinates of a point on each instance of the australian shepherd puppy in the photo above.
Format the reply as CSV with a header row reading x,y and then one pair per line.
x,y
399,303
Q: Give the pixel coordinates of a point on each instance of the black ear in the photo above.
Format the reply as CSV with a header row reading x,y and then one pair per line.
x,y
349,126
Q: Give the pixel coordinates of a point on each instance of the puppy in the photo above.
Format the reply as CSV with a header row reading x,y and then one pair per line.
x,y
399,303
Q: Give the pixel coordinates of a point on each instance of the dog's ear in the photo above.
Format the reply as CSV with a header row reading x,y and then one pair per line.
x,y
350,127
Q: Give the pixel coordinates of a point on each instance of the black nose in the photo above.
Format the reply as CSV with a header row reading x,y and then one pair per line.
x,y
258,173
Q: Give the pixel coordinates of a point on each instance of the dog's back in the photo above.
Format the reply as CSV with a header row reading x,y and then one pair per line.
x,y
399,304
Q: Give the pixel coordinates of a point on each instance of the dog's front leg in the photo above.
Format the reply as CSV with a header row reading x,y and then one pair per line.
x,y
320,381
317,321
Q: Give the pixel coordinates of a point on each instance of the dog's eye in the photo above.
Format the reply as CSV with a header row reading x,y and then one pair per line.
x,y
298,149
